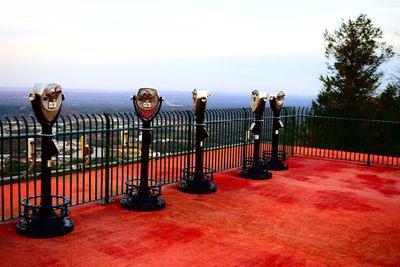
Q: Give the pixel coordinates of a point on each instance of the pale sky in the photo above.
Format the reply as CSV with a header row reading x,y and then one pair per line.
x,y
224,46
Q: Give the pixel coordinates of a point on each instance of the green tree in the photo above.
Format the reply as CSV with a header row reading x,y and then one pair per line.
x,y
354,54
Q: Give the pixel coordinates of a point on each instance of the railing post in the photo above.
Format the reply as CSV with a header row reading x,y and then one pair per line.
x,y
285,133
189,137
245,129
294,130
107,199
370,141
2,174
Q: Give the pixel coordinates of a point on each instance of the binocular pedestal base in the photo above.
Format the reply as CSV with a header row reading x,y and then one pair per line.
x,y
143,203
256,174
45,228
143,198
254,170
45,221
197,187
275,161
277,165
198,182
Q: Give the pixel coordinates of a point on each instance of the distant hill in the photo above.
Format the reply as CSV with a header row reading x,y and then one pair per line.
x,y
14,101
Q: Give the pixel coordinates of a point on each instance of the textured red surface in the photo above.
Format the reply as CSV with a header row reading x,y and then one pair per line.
x,y
318,213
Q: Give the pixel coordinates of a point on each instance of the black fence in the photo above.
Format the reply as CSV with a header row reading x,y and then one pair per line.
x,y
99,152
368,141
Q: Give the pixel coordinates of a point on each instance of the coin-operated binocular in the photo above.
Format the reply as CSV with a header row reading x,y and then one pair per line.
x,y
275,159
143,194
198,179
254,167
48,219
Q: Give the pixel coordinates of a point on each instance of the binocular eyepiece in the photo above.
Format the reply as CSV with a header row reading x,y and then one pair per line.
x,y
258,100
53,90
200,101
46,101
147,103
276,102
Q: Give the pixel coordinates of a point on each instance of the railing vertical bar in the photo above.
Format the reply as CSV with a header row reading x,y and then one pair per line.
x,y
57,164
107,158
138,145
188,138
159,147
128,150
83,156
26,161
63,153
111,163
10,162
89,159
131,135
172,136
152,148
19,162
171,146
123,147
77,158
177,144
10,166
96,151
214,125
2,169
103,154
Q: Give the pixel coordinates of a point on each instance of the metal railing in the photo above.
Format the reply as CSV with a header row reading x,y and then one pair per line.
x,y
368,141
99,152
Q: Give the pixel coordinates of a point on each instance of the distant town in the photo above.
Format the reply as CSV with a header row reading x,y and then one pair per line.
x,y
14,101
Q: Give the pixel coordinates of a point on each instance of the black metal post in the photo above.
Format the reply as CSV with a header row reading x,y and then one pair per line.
x,y
145,150
257,132
198,180
254,168
45,208
276,162
200,136
275,138
145,196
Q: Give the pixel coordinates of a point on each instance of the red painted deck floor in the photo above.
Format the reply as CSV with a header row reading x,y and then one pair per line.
x,y
318,213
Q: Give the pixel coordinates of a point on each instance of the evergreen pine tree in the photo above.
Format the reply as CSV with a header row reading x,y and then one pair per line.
x,y
354,52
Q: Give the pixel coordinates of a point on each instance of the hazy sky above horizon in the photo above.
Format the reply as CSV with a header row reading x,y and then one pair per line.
x,y
224,46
